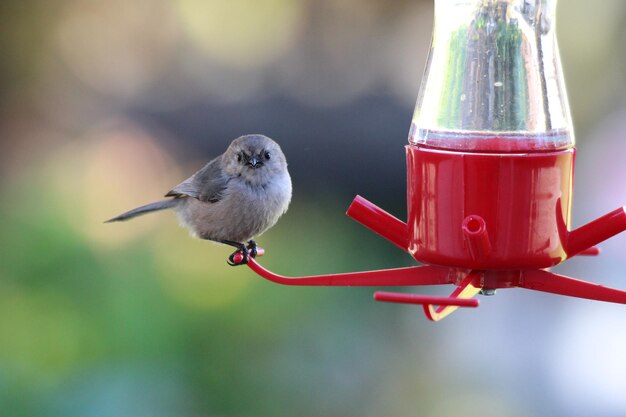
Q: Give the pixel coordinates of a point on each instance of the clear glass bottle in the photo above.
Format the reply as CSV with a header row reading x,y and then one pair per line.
x,y
493,81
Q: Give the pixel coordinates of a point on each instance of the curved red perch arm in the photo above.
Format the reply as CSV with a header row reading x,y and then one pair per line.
x,y
413,275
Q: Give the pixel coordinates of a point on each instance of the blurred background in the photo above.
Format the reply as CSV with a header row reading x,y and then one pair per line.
x,y
106,105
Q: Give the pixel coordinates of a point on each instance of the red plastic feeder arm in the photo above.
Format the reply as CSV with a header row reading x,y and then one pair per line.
x,y
469,283
490,167
394,297
413,275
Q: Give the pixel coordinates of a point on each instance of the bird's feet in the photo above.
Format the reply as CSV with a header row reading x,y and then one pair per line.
x,y
242,254
252,248
238,257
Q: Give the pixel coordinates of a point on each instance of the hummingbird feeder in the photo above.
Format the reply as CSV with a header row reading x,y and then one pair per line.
x,y
490,167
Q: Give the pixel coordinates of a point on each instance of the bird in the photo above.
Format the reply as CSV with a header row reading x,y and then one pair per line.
x,y
233,198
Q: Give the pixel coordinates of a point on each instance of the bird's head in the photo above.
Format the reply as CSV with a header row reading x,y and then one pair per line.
x,y
255,158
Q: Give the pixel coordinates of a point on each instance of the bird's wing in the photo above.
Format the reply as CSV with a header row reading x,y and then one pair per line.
x,y
205,185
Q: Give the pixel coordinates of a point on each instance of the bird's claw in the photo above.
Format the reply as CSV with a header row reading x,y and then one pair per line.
x,y
238,257
252,248
243,254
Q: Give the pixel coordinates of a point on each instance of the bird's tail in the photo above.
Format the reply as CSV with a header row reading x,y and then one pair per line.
x,y
148,208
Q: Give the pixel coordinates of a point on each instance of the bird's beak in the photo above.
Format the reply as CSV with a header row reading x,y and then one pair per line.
x,y
254,162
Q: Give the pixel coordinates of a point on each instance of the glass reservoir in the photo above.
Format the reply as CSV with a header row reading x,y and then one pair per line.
x,y
493,80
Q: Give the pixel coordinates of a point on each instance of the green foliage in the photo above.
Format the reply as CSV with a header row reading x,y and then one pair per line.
x,y
159,324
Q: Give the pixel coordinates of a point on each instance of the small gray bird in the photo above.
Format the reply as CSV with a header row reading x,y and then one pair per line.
x,y
235,197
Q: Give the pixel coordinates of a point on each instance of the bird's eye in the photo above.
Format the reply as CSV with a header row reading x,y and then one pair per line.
x,y
267,155
239,157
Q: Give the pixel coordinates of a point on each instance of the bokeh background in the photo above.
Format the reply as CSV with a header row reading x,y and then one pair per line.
x,y
106,105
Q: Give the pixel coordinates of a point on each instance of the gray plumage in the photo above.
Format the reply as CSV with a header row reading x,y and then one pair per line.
x,y
235,197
